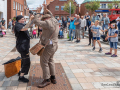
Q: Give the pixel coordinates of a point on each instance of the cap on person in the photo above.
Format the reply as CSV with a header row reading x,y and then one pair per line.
x,y
19,17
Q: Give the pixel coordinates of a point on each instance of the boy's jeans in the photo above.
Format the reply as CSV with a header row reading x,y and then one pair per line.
x,y
105,26
71,31
118,26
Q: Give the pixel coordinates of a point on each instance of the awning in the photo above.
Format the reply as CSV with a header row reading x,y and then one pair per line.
x,y
101,10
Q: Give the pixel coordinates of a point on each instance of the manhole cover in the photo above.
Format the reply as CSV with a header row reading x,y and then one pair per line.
x,y
36,78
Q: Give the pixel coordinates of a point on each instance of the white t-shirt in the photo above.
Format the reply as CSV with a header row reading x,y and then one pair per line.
x,y
96,29
118,19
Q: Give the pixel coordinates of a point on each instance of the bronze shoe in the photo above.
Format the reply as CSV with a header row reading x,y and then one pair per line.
x,y
53,81
44,84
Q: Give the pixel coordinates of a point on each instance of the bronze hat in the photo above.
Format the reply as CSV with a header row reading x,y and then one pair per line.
x,y
45,16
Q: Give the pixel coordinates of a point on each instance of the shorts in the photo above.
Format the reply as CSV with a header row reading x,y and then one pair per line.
x,y
94,38
82,30
113,45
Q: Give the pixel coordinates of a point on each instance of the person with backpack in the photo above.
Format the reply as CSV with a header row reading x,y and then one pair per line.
x,y
95,17
87,17
105,21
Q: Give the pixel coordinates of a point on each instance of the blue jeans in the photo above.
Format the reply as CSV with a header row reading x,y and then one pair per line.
x,y
71,31
119,26
105,26
87,25
113,45
61,33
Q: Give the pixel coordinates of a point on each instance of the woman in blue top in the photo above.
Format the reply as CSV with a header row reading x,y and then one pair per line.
x,y
112,37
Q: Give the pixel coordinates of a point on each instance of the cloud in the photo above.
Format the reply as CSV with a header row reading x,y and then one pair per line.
x,y
36,3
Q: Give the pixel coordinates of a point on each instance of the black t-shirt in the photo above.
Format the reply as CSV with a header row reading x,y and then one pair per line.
x,y
22,37
3,21
39,30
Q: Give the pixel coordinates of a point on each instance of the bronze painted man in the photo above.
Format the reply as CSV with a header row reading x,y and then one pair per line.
x,y
49,26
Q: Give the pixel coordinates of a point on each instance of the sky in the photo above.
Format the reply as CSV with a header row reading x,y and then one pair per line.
x,y
36,3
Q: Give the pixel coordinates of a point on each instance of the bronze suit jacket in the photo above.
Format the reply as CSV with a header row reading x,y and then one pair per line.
x,y
48,28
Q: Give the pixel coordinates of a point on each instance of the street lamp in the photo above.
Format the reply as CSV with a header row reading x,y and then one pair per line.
x,y
70,9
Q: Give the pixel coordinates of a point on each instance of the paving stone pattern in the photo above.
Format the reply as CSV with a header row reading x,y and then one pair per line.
x,y
84,68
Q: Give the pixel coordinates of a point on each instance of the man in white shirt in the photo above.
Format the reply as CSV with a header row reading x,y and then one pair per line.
x,y
118,22
83,25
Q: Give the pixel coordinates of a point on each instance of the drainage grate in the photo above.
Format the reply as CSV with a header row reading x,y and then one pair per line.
x,y
36,78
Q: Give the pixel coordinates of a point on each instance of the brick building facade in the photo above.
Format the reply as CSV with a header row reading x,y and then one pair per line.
x,y
102,9
56,7
16,7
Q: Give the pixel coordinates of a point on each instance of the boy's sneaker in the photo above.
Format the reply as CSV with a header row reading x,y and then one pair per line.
x,y
93,48
23,79
69,40
114,55
100,50
108,53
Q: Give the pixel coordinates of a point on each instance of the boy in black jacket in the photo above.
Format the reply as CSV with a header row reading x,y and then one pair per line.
x,y
90,34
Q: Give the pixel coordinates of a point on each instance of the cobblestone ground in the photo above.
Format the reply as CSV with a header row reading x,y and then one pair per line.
x,y
85,69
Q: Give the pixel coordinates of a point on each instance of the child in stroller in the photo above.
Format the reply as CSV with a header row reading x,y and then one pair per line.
x,y
61,32
1,34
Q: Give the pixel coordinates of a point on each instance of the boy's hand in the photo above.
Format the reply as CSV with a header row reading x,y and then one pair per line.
x,y
102,30
32,17
95,32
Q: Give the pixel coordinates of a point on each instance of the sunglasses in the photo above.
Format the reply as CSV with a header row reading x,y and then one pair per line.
x,y
113,25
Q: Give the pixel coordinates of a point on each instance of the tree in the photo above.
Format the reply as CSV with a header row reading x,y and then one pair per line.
x,y
93,5
67,7
110,5
114,2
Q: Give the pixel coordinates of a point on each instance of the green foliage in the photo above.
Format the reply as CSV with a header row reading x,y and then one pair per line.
x,y
14,18
67,7
110,5
116,2
93,5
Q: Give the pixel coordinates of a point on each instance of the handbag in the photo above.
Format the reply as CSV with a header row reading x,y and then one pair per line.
x,y
39,48
12,67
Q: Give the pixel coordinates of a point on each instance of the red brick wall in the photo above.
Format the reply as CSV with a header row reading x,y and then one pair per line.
x,y
60,13
12,12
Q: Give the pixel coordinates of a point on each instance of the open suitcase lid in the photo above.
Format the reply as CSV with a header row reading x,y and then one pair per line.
x,y
12,60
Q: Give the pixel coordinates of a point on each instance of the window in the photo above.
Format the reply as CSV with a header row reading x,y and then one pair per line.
x,y
18,6
56,17
22,7
57,8
62,8
114,12
13,4
118,12
103,6
24,2
110,12
24,12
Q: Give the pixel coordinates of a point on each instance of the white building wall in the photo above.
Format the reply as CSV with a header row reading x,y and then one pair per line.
x,y
3,10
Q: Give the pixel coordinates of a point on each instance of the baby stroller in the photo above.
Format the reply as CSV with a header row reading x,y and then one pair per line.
x,y
61,34
1,34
